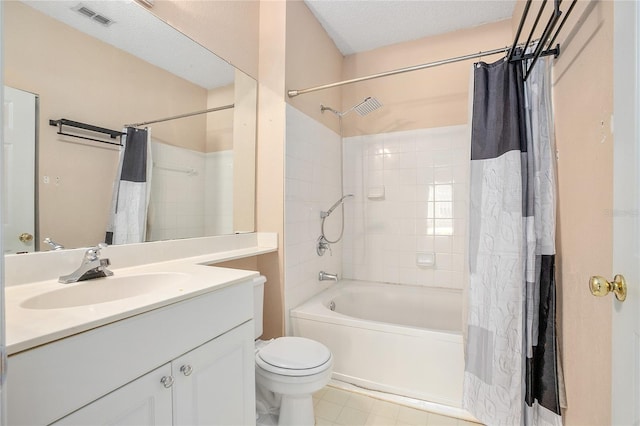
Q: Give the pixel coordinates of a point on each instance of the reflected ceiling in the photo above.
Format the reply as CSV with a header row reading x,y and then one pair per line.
x,y
159,46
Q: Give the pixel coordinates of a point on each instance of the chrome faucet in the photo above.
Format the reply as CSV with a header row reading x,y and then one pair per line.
x,y
53,244
325,276
91,267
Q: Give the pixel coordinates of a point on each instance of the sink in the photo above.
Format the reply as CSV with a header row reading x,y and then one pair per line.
x,y
103,290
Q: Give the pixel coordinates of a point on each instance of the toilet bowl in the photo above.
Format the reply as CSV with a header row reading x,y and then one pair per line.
x,y
288,371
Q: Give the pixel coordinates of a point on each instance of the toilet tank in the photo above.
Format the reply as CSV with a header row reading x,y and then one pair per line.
x,y
258,303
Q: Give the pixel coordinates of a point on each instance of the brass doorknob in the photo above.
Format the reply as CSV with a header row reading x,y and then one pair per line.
x,y
599,286
25,237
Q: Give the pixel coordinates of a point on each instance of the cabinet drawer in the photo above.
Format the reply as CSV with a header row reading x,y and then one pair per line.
x,y
49,382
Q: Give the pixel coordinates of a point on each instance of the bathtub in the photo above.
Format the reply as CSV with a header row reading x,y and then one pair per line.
x,y
398,339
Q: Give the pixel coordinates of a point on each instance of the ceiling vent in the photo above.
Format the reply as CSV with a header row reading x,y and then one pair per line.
x,y
85,11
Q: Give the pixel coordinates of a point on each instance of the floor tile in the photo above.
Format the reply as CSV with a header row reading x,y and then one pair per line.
x,y
360,402
339,407
321,392
352,417
438,420
411,416
378,420
327,410
322,422
385,409
337,396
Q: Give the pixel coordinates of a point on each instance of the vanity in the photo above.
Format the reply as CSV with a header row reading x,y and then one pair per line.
x,y
169,342
168,339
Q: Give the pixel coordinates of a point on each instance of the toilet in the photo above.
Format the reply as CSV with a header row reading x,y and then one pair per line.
x,y
288,371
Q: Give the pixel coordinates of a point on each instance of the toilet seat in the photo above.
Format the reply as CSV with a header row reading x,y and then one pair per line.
x,y
294,356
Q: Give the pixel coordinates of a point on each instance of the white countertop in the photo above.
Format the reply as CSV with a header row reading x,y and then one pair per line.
x,y
27,327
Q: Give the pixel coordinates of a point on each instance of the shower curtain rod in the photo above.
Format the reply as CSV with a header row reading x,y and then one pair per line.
x,y
175,117
293,93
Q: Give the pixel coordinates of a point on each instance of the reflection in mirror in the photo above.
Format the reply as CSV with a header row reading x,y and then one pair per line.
x,y
135,70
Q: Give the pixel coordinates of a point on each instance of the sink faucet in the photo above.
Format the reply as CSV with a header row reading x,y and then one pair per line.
x,y
53,244
325,276
91,267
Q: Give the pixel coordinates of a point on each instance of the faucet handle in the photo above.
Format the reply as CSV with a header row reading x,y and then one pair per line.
x,y
93,253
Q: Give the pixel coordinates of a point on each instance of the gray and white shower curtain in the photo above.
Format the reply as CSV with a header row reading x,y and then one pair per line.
x,y
511,373
131,189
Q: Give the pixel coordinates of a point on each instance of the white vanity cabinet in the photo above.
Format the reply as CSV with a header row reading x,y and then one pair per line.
x,y
202,347
206,386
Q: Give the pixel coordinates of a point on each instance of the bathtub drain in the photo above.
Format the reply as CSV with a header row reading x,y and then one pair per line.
x,y
332,305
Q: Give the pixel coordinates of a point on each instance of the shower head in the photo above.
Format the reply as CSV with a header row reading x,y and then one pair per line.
x,y
333,207
365,107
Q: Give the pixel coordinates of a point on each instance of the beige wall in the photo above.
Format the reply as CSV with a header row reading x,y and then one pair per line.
x,y
244,152
229,28
312,60
270,157
247,264
89,88
294,52
220,123
420,99
583,103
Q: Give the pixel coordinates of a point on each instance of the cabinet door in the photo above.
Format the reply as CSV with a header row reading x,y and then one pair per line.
x,y
215,383
142,402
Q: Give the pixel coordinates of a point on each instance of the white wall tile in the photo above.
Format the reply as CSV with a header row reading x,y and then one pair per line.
x,y
425,175
185,205
312,185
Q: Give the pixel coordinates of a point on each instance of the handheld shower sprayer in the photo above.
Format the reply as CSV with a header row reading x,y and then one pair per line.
x,y
323,243
324,214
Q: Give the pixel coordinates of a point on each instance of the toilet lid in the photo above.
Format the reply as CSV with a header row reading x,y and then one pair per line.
x,y
295,353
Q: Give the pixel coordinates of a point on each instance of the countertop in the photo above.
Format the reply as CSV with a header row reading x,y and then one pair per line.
x,y
28,327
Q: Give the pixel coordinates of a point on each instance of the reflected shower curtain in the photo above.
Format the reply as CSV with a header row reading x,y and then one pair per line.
x,y
131,190
511,373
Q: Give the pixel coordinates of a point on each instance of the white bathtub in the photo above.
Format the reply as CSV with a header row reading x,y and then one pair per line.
x,y
399,339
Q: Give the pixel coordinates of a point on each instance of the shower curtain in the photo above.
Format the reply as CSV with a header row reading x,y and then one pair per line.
x,y
131,189
511,373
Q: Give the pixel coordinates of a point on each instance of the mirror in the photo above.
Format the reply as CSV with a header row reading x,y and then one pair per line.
x,y
133,70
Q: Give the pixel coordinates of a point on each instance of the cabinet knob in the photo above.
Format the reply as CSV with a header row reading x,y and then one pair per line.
x,y
167,381
186,370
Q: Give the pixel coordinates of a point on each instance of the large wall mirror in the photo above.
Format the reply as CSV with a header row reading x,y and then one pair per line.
x,y
68,61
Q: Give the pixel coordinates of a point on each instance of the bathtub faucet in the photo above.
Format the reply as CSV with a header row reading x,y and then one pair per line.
x,y
325,276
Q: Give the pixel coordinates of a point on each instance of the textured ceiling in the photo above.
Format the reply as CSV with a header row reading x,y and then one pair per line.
x,y
361,25
138,32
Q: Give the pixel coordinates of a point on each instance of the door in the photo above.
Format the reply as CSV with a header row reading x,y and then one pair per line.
x,y
214,384
19,170
625,373
143,402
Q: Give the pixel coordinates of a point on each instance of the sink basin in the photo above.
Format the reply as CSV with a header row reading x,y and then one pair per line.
x,y
103,290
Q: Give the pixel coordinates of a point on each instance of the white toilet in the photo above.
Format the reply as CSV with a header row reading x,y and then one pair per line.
x,y
288,371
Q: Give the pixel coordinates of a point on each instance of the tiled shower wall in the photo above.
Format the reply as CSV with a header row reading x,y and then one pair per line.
x,y
190,194
411,206
312,184
218,196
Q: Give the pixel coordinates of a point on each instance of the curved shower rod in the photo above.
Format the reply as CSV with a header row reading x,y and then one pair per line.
x,y
546,41
293,93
